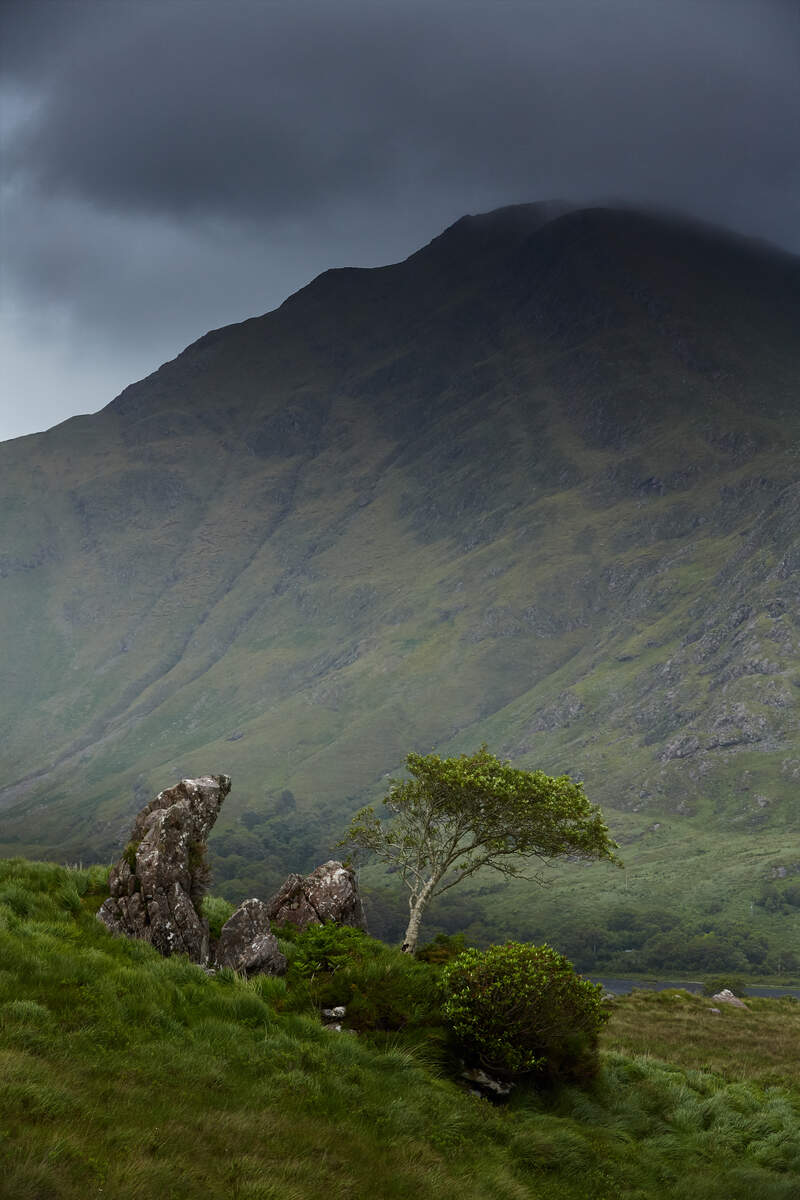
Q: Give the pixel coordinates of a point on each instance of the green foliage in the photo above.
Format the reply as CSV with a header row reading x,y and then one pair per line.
x,y
326,948
389,993
382,988
216,911
229,1092
475,810
519,1009
719,983
659,940
443,949
457,815
129,854
779,896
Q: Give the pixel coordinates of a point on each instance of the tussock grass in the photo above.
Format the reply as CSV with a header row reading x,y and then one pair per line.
x,y
127,1074
759,1043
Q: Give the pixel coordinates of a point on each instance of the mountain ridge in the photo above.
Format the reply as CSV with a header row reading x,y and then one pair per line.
x,y
535,485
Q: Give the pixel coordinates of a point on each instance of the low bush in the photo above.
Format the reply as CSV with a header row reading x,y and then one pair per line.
x,y
718,983
521,1009
326,948
443,949
382,988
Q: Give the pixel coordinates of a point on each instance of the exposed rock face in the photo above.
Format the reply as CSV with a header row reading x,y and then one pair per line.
x,y
159,883
246,944
329,893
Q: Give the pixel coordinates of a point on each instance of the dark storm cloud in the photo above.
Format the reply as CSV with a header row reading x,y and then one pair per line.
x,y
258,110
173,164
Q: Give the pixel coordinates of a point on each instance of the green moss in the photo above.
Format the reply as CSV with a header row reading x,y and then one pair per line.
x,y
129,854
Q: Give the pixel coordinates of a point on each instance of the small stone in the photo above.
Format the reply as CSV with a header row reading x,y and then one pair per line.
x,y
334,1014
718,1011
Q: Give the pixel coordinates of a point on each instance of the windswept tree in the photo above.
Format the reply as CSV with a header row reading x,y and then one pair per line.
x,y
457,815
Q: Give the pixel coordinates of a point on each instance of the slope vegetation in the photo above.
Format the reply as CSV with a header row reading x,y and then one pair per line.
x,y
537,485
127,1074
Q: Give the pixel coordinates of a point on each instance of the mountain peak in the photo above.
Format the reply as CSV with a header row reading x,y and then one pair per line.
x,y
534,486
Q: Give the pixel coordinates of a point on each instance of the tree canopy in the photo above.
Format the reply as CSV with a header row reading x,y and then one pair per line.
x,y
457,815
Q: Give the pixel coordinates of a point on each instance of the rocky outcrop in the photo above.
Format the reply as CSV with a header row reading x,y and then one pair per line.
x,y
330,893
246,944
159,883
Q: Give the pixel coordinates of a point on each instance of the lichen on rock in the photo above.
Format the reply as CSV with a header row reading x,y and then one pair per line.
x,y
158,885
246,944
329,893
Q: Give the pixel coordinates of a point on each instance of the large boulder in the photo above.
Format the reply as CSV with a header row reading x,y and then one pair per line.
x,y
158,885
330,893
246,944
726,996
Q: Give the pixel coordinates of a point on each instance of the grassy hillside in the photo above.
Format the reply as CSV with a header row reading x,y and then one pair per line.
x,y
535,486
130,1074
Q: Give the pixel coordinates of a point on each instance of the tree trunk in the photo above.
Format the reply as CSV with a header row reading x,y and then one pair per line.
x,y
417,909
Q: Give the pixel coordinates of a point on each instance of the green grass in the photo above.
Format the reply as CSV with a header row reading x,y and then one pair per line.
x,y
758,1043
127,1074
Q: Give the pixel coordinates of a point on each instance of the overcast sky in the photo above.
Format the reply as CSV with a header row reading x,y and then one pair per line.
x,y
170,166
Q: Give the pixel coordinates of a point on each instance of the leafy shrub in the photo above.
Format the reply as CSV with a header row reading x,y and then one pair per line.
x,y
389,993
718,983
326,948
520,1009
382,988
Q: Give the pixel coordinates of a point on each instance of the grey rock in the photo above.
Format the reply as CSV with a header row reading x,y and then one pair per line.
x,y
486,1083
682,746
158,885
246,943
330,893
334,1014
726,996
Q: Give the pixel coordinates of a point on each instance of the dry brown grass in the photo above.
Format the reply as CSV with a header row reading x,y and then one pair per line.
x,y
760,1043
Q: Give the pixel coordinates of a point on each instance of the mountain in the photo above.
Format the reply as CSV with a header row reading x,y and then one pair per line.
x,y
536,486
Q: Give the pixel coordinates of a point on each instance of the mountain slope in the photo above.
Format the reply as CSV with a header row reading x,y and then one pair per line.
x,y
536,485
